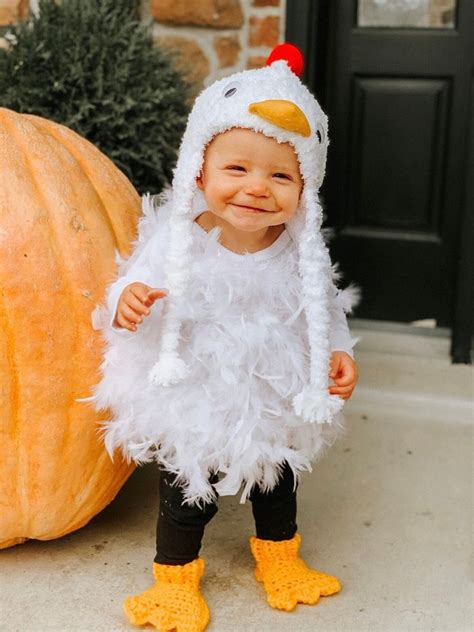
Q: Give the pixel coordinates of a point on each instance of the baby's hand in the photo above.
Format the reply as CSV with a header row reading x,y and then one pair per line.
x,y
344,372
133,304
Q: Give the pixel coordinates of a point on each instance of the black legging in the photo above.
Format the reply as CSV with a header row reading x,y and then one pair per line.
x,y
180,527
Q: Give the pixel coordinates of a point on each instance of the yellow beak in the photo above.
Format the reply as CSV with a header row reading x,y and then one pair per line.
x,y
285,114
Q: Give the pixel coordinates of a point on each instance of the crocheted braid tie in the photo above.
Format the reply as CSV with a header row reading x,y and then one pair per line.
x,y
285,576
174,603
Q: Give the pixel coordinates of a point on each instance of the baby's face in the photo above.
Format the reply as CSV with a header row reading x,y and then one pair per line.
x,y
250,180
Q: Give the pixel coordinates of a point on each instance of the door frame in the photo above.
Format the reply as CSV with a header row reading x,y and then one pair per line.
x,y
307,27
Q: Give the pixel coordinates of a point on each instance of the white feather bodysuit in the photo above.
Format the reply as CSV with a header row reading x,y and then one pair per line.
x,y
244,339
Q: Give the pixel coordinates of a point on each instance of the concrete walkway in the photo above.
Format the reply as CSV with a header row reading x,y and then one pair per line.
x,y
388,511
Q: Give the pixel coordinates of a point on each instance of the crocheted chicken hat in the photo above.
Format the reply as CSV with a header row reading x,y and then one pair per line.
x,y
271,100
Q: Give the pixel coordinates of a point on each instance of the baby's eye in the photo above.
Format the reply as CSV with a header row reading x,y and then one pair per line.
x,y
284,176
236,167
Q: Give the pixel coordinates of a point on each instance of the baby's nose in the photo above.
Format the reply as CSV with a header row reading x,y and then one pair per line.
x,y
257,187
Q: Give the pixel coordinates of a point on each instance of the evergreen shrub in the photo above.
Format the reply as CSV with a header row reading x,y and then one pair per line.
x,y
92,66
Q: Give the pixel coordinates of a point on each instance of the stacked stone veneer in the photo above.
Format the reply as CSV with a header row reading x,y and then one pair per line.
x,y
214,38
211,38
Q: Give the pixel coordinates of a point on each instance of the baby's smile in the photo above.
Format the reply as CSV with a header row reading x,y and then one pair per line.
x,y
251,209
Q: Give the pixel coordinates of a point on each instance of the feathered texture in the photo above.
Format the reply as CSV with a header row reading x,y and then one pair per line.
x,y
214,112
244,337
241,382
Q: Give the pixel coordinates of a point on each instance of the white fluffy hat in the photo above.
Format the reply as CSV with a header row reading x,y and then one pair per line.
x,y
271,100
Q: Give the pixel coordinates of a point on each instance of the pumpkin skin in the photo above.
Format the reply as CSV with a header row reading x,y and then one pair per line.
x,y
64,211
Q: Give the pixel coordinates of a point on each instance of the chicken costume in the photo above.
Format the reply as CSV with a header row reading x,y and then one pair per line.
x,y
230,372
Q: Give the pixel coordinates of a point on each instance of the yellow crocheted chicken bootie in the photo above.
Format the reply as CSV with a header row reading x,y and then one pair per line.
x,y
174,603
286,578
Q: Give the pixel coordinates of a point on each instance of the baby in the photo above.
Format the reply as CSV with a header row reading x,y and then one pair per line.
x,y
264,330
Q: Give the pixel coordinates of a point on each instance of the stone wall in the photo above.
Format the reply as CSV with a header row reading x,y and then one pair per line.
x,y
214,38
11,10
211,38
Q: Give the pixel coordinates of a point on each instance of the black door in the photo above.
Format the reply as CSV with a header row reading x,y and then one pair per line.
x,y
398,100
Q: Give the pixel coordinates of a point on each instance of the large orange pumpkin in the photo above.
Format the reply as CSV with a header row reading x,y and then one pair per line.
x,y
64,210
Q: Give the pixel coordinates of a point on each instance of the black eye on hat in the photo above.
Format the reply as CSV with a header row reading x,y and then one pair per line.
x,y
231,89
320,133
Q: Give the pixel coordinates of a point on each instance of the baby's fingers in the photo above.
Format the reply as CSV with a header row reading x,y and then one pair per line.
x,y
345,379
340,390
124,322
347,375
140,291
137,305
343,392
154,294
130,314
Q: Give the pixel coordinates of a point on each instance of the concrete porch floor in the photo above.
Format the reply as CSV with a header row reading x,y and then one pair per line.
x,y
388,511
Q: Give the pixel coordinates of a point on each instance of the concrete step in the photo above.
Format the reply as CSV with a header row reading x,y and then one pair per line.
x,y
410,368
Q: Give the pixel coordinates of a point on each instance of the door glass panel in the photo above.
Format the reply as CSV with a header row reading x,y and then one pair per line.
x,y
435,14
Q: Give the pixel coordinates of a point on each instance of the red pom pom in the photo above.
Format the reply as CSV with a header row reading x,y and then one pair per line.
x,y
289,53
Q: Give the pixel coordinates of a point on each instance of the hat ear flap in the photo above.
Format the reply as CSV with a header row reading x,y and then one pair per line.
x,y
170,368
314,403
